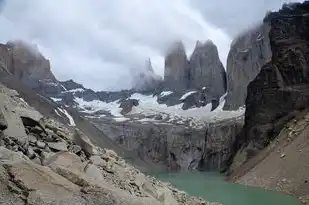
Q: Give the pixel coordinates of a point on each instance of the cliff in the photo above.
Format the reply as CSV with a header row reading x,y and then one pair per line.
x,y
278,94
248,53
206,70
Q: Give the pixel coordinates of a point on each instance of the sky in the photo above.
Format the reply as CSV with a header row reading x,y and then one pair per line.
x,y
104,43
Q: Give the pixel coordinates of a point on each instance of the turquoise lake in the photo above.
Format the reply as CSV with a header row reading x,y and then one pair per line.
x,y
213,188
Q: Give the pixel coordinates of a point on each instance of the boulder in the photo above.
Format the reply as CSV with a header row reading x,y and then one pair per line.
x,y
15,128
94,172
58,146
84,142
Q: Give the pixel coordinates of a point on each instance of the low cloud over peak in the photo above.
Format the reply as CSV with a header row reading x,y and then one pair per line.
x,y
103,44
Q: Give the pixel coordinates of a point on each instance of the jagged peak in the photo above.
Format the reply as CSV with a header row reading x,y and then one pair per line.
x,y
176,47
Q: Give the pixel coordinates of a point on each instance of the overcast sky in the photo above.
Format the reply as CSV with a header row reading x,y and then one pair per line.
x,y
101,43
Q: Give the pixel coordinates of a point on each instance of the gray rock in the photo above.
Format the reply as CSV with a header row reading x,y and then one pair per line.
x,y
176,72
94,172
98,161
249,52
84,142
32,139
30,153
58,146
40,144
206,69
3,123
75,149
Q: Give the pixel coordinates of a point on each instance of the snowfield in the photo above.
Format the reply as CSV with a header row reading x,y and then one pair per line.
x,y
148,109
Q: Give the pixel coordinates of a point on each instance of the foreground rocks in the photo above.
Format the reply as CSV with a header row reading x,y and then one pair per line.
x,y
57,165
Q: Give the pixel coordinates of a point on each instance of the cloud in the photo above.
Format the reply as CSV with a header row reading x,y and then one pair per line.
x,y
101,43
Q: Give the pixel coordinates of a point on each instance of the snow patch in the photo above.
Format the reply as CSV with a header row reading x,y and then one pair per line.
x,y
97,105
186,95
71,120
121,119
165,93
21,99
57,113
64,88
74,90
56,99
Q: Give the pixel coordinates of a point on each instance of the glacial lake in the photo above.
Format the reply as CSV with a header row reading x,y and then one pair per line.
x,y
213,188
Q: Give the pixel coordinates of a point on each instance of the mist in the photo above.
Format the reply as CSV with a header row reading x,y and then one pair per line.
x,y
103,44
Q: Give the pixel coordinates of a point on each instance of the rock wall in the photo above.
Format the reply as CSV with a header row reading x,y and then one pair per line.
x,y
176,72
206,69
248,53
281,89
177,147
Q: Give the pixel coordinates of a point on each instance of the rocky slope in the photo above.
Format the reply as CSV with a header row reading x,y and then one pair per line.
x,y
34,149
278,94
248,53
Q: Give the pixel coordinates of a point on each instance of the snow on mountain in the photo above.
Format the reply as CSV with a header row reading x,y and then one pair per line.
x,y
165,93
186,95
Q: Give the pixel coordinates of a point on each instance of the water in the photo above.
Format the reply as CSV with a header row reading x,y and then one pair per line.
x,y
213,188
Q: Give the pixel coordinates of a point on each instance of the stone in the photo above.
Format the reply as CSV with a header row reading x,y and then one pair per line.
x,y
36,129
15,128
3,123
84,142
30,153
40,144
58,146
94,172
282,156
75,149
98,161
32,139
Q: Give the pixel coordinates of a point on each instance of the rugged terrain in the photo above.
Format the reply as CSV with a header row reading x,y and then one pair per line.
x,y
43,161
272,147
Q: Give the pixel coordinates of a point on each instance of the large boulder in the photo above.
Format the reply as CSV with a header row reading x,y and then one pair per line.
x,y
84,142
248,53
206,69
176,72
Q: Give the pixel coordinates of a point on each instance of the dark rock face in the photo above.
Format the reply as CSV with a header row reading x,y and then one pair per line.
x,y
127,105
177,147
5,58
206,69
3,123
176,73
249,52
70,85
28,64
281,89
